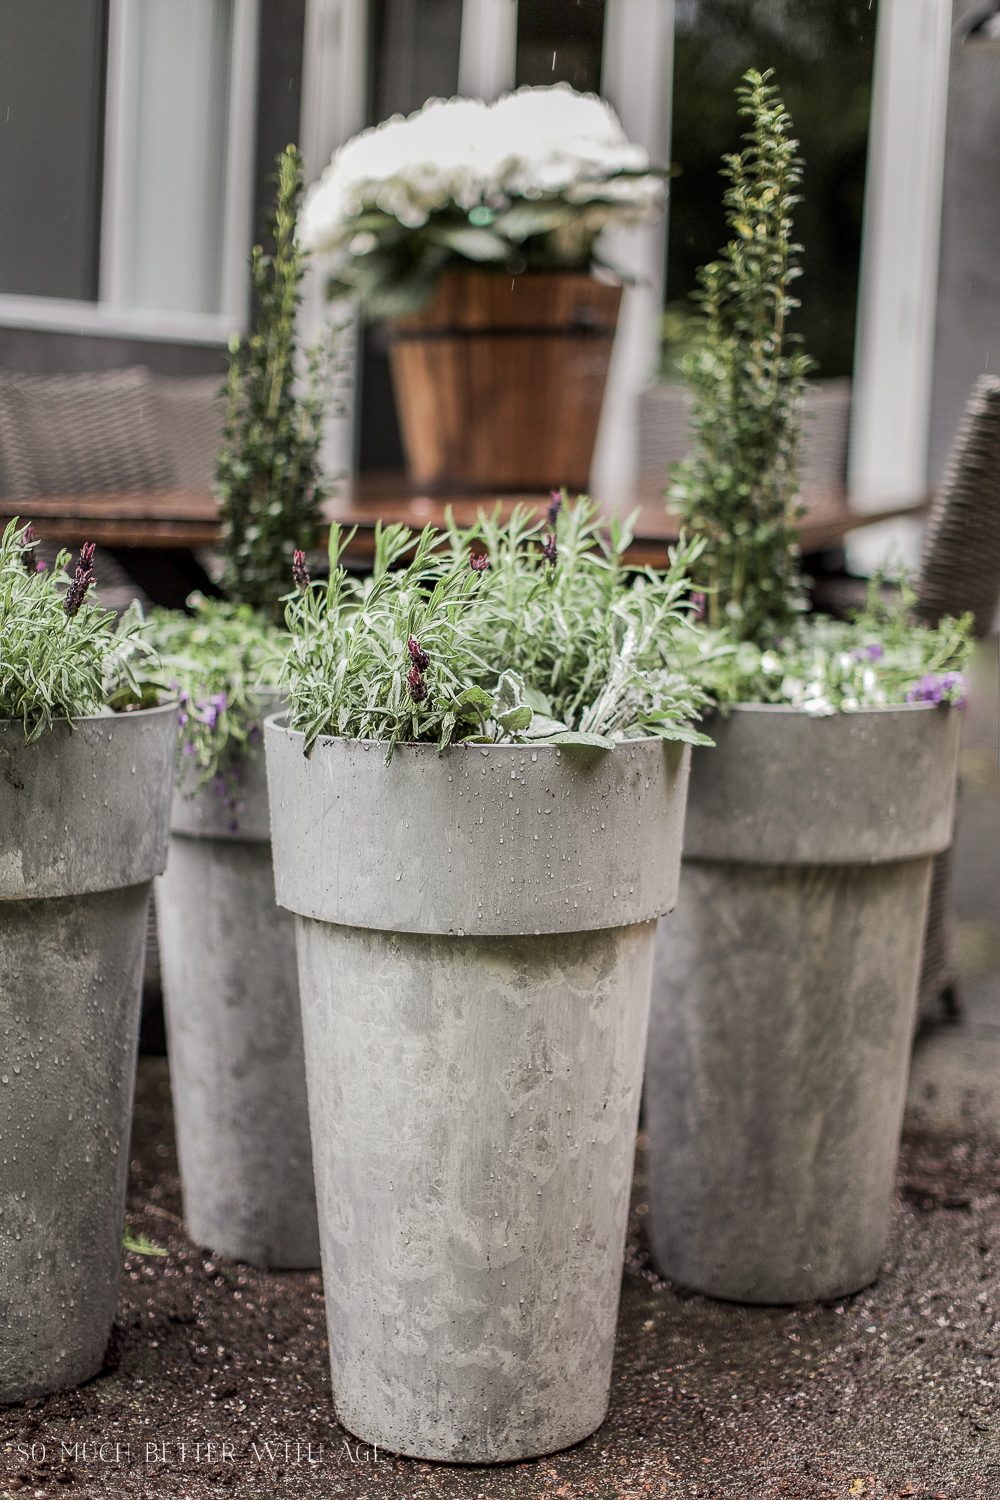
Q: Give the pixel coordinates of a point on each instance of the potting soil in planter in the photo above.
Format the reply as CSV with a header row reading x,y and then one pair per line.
x,y
785,993
235,1030
84,821
475,938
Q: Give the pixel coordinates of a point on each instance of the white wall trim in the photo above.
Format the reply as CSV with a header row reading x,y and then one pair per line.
x,y
334,70
899,263
637,79
487,58
60,315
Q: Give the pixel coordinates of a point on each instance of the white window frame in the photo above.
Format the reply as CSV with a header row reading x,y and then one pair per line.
x,y
109,315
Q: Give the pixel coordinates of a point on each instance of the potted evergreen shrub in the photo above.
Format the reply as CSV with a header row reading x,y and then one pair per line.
x,y
86,757
477,841
473,229
786,978
228,952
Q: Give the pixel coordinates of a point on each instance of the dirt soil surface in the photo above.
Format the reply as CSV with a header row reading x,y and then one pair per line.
x,y
216,1382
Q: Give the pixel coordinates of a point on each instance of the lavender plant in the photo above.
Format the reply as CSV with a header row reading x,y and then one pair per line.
x,y
214,659
524,633
823,666
62,657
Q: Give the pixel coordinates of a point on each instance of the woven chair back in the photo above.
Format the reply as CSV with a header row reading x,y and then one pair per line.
x,y
960,566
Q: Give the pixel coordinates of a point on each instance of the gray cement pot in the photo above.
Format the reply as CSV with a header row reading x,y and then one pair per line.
x,y
475,937
234,1030
784,997
84,819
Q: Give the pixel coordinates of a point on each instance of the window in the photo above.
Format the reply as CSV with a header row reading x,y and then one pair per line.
x,y
822,53
126,180
561,41
52,70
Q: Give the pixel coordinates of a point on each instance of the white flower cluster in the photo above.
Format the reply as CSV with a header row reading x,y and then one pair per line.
x,y
535,143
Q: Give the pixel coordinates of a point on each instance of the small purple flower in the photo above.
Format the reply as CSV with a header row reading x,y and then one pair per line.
x,y
874,652
479,562
550,551
182,718
939,687
699,602
220,790
418,655
83,578
28,543
300,573
187,749
555,506
418,687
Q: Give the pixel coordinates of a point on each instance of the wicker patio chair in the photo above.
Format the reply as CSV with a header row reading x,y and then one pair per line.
x,y
81,434
959,571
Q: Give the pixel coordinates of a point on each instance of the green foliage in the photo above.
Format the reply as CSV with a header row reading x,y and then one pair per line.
x,y
739,487
270,486
681,331
60,665
137,1244
550,643
214,658
823,666
399,269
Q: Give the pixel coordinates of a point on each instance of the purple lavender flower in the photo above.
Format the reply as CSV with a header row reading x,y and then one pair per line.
x,y
28,543
479,562
874,652
418,655
300,573
188,748
555,507
939,687
182,717
699,601
550,551
83,578
418,687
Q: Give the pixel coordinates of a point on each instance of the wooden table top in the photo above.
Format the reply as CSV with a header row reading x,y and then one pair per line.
x,y
188,519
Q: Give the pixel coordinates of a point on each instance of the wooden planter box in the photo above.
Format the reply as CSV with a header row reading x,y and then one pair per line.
x,y
500,380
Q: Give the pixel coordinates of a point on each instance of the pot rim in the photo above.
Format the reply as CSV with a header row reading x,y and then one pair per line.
x,y
791,708
114,718
502,745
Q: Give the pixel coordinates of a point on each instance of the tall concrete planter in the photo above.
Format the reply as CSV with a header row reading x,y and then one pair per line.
x,y
234,1030
84,819
784,997
475,937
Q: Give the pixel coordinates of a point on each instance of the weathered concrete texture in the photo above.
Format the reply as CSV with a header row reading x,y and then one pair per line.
x,y
482,840
784,997
779,1045
473,1103
783,787
70,975
87,808
236,1065
235,1029
83,829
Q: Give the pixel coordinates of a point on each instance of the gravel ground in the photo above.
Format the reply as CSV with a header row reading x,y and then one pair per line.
x,y
217,1381
893,1392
